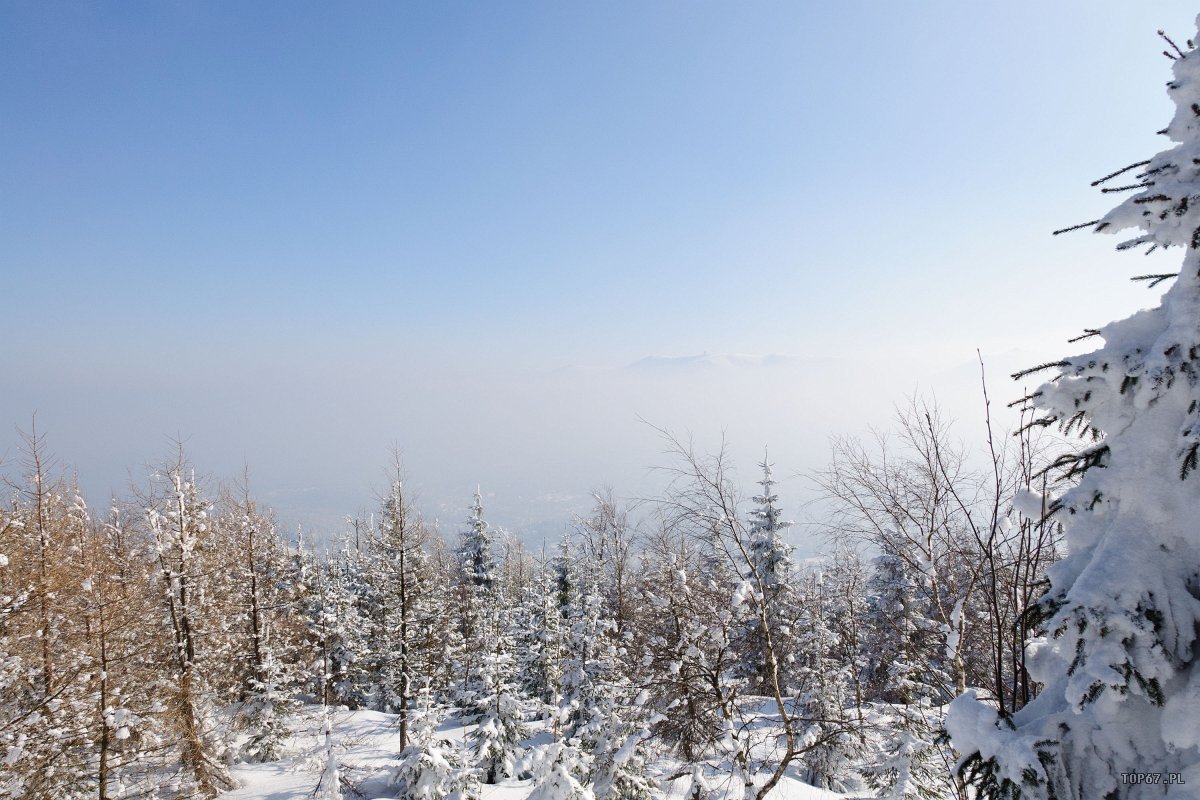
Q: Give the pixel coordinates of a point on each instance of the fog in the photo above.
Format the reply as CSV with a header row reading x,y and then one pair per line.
x,y
316,432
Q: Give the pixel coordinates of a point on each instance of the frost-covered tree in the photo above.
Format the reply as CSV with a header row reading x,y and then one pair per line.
x,y
177,516
329,786
913,497
123,670
99,729
255,597
904,756
704,505
561,770
45,716
614,737
1119,666
497,738
488,690
477,601
684,636
538,626
430,767
769,573
401,583
588,665
339,618
829,719
903,646
607,539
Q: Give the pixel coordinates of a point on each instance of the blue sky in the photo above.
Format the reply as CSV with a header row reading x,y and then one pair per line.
x,y
237,221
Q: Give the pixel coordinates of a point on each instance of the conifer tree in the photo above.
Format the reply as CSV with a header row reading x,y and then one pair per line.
x,y
255,597
614,737
831,743
1119,667
901,654
478,606
342,628
123,670
496,740
430,767
587,648
769,571
560,780
401,583
540,646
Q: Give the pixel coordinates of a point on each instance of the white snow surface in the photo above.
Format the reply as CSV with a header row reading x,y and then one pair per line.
x,y
366,744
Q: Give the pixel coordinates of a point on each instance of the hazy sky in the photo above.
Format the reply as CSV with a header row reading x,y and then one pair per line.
x,y
294,233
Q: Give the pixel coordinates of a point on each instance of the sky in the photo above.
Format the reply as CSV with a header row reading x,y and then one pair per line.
x,y
500,236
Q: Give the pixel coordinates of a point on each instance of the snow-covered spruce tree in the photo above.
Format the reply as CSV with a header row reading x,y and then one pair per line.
x,y
329,785
588,652
1117,716
614,738
341,628
830,741
401,577
770,567
477,606
903,646
441,637
562,767
598,711
494,697
256,603
539,642
905,756
497,738
430,766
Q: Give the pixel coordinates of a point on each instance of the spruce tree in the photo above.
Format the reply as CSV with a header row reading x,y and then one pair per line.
x,y
339,618
478,605
401,580
430,766
1116,718
562,767
497,738
831,743
770,572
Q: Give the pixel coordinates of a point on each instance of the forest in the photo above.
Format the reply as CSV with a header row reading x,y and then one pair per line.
x,y
155,643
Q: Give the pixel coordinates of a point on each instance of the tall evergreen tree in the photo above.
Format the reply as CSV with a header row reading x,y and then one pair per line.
x,y
402,582
831,742
539,642
497,737
430,766
1117,716
770,572
477,600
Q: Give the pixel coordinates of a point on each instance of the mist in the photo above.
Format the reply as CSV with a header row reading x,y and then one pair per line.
x,y
316,433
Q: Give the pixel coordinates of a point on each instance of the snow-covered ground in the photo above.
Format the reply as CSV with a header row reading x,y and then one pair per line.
x,y
366,744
